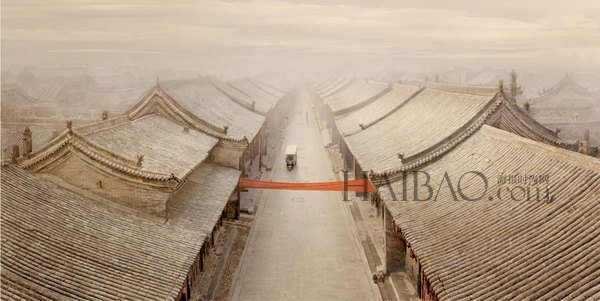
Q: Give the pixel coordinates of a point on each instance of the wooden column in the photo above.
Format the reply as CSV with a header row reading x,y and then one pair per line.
x,y
239,202
385,259
260,153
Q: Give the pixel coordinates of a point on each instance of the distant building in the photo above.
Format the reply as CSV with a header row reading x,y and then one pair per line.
x,y
566,102
570,109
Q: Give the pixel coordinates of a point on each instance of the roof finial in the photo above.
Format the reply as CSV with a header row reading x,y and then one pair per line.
x,y
157,80
501,84
27,142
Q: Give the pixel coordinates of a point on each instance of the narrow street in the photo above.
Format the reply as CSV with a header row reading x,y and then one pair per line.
x,y
302,245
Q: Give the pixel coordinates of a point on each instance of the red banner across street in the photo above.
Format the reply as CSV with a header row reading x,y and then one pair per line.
x,y
351,185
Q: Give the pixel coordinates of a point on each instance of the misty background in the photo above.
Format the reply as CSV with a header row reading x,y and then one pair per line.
x,y
83,60
234,38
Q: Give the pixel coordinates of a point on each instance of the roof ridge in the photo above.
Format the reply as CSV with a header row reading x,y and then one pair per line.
x,y
174,105
464,89
526,119
103,125
338,88
368,101
259,87
378,82
565,82
558,153
244,104
436,151
95,152
270,85
569,80
366,126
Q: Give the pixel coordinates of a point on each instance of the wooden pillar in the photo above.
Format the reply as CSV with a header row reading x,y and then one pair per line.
x,y
345,185
260,153
385,255
202,258
188,288
242,163
358,175
266,152
212,236
239,202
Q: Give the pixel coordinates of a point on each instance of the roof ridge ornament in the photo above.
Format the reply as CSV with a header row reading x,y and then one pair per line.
x,y
27,142
70,126
140,160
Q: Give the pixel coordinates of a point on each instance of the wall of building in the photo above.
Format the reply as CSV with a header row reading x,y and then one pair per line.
x,y
74,170
227,154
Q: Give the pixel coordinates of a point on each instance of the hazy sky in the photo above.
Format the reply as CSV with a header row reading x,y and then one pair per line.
x,y
262,34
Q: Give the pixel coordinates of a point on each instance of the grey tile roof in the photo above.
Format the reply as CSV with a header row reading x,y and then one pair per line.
x,y
70,246
563,90
350,123
15,287
200,202
263,98
165,146
359,92
576,132
107,96
336,85
14,95
506,249
206,102
12,136
240,97
325,82
275,83
427,120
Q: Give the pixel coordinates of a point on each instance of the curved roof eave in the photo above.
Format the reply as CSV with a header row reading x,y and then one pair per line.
x,y
94,152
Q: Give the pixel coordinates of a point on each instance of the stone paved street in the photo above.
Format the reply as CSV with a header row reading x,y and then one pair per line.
x,y
302,246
